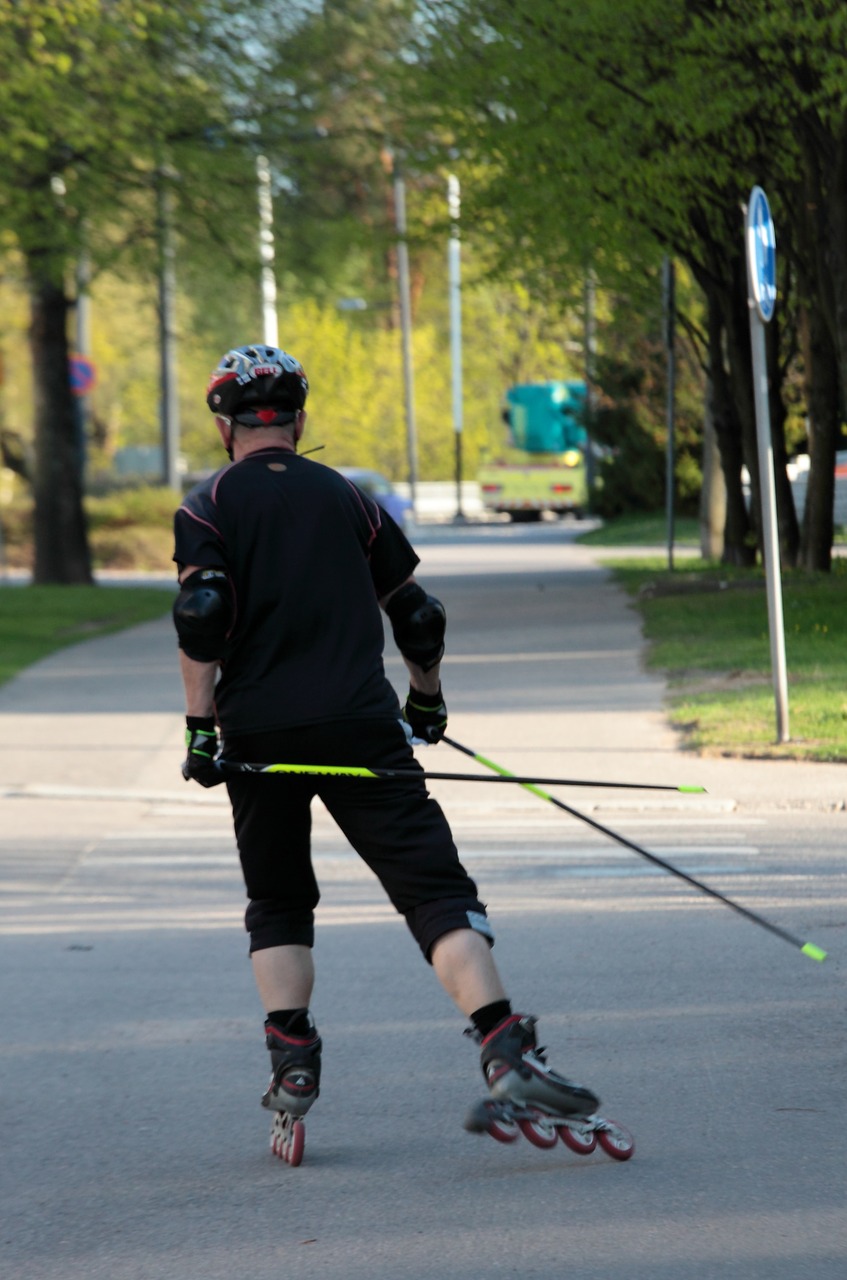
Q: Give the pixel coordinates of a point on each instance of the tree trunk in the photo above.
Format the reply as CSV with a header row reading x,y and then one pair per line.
x,y
822,282
786,513
822,400
738,546
61,540
835,257
713,492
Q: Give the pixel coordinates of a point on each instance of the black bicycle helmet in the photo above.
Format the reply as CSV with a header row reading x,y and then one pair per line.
x,y
258,386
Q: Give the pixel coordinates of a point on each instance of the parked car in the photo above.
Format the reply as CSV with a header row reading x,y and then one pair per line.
x,y
379,488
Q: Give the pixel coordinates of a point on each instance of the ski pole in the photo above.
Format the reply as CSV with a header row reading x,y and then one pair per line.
x,y
353,771
807,948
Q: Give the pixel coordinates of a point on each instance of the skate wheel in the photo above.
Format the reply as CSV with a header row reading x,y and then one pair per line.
x,y
616,1141
296,1144
288,1138
501,1127
538,1130
503,1130
580,1139
494,1118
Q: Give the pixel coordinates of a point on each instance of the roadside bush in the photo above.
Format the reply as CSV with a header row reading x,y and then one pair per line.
x,y
149,506
132,547
128,529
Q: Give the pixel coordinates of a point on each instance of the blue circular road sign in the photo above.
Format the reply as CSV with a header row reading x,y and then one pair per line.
x,y
761,254
82,375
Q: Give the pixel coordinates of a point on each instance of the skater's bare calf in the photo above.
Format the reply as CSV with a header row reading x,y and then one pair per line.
x,y
285,976
465,968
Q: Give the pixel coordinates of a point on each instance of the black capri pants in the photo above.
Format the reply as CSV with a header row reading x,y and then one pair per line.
x,y
395,827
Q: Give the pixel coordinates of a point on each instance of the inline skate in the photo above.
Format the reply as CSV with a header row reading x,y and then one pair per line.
x,y
293,1087
526,1096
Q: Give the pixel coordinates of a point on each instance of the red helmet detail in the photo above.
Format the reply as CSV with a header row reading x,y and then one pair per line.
x,y
258,386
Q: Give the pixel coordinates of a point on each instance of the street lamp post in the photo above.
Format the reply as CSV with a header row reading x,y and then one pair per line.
x,y
454,263
406,330
270,325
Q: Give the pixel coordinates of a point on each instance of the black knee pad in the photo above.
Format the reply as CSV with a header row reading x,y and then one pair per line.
x,y
431,920
271,925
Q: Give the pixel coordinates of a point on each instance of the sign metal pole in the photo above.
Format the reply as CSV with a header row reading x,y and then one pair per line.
x,y
761,280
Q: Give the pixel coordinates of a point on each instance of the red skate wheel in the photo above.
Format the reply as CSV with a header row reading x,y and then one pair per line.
x,y
539,1131
500,1128
276,1139
296,1144
616,1141
582,1141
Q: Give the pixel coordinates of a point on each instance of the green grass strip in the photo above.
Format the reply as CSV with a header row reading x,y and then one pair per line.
x,y
37,621
708,632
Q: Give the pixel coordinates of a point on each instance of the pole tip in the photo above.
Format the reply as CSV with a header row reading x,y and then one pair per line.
x,y
699,791
816,953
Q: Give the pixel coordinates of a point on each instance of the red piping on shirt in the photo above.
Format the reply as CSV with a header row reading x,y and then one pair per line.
x,y
200,520
374,528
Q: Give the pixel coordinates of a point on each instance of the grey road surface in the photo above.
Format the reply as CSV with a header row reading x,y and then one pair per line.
x,y
133,1145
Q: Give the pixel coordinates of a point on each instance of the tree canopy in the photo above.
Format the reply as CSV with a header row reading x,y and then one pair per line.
x,y
100,102
609,135
592,140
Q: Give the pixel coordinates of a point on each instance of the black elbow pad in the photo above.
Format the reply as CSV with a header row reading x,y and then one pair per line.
x,y
419,623
203,613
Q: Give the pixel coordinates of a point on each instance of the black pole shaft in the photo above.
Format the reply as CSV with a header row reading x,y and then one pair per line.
x,y
651,857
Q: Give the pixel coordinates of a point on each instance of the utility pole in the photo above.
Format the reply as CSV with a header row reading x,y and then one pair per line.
x,y
83,346
169,402
669,292
589,360
406,330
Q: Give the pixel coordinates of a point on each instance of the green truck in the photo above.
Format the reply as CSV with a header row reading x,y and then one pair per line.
x,y
543,466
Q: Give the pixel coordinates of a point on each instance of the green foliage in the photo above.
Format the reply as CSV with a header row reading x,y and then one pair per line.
x,y
630,413
146,505
129,528
603,135
96,97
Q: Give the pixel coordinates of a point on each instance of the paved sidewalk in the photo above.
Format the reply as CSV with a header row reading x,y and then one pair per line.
x,y
106,715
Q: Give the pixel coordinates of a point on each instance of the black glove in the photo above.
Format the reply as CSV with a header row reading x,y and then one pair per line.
x,y
201,742
426,715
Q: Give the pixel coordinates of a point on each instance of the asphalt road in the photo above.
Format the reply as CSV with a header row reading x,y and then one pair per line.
x,y
132,1058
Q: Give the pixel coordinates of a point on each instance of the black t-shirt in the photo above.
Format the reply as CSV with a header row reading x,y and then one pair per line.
x,y
308,555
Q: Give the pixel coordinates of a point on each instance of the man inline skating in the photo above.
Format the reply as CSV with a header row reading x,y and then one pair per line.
x,y
283,568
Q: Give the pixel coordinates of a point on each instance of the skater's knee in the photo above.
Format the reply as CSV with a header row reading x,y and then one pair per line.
x,y
271,925
431,920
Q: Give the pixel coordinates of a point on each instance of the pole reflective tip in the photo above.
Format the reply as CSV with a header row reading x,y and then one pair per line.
x,y
816,953
693,791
